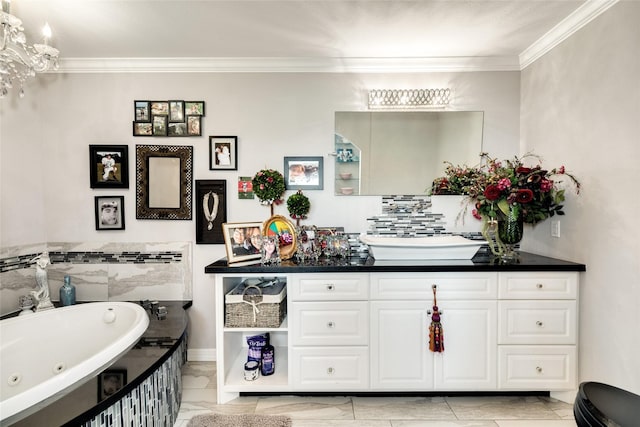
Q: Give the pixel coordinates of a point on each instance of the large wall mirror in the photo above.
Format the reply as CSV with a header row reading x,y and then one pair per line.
x,y
163,176
400,152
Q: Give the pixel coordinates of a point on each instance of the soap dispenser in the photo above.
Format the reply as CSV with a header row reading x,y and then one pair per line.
x,y
67,292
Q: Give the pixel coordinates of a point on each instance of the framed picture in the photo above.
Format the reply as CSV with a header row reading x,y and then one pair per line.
x,y
109,212
285,231
176,111
160,125
142,111
194,108
159,108
303,173
245,187
142,129
193,125
223,153
110,381
177,129
109,166
242,240
211,210
164,182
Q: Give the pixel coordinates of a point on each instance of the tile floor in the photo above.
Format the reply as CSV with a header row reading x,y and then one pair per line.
x,y
199,397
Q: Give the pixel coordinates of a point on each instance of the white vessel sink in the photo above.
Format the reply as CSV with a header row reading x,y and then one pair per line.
x,y
416,248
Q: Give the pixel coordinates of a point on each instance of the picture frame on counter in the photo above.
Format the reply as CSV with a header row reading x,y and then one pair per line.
x,y
109,166
109,212
242,241
285,231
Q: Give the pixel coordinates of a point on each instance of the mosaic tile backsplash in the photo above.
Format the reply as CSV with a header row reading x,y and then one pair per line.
x,y
101,271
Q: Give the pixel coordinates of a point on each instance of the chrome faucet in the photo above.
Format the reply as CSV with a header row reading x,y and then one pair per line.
x,y
41,295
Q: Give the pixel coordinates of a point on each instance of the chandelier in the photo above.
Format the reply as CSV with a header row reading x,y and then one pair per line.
x,y
18,60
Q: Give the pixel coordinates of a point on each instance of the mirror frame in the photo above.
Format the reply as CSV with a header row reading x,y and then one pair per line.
x,y
184,184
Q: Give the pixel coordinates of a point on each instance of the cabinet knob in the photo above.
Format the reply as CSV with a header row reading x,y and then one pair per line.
x,y
538,369
539,323
331,324
330,287
539,285
330,371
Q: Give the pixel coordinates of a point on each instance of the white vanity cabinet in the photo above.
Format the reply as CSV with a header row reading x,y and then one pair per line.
x,y
368,331
401,308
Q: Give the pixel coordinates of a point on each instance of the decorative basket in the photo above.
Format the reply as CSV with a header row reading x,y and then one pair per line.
x,y
262,305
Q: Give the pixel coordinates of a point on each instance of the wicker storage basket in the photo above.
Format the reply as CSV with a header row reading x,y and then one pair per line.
x,y
252,306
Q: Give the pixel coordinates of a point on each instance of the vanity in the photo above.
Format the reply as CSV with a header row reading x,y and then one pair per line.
x,y
357,325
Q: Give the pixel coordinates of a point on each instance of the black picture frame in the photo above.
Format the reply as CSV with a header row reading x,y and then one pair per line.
x,y
110,382
194,108
99,156
214,193
194,125
223,153
160,125
109,212
142,129
164,182
142,111
172,118
176,111
304,173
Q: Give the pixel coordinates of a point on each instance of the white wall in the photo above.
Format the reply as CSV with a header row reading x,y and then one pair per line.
x,y
45,139
581,108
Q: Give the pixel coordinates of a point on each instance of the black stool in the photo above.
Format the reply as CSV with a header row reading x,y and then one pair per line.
x,y
602,405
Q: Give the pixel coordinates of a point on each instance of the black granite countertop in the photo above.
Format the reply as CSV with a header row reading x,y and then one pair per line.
x,y
480,262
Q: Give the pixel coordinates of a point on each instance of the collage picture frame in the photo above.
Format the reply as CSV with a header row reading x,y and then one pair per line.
x,y
171,118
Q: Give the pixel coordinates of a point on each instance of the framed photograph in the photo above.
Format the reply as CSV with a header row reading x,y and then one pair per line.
x,y
142,129
109,166
142,111
109,212
194,108
194,125
177,129
245,187
243,241
176,111
110,381
211,210
159,108
303,173
160,125
280,227
164,182
223,153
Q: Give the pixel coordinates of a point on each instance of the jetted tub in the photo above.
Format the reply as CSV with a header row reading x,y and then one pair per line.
x,y
47,354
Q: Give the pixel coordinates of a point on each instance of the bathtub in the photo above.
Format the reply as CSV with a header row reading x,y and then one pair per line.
x,y
47,354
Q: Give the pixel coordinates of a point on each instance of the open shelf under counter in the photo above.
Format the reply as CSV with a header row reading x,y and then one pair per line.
x,y
279,381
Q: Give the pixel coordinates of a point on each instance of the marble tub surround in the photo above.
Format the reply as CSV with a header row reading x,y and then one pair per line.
x,y
199,397
101,271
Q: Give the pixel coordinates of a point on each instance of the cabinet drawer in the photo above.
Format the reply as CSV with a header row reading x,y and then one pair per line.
x,y
538,285
537,322
336,368
537,367
330,323
417,286
329,287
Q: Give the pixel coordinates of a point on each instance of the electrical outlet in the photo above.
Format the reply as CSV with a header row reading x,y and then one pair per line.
x,y
555,228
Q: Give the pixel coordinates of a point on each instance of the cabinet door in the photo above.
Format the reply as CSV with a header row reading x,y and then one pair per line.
x,y
469,360
400,357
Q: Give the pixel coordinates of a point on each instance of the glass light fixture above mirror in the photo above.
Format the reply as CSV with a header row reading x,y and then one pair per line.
x,y
409,98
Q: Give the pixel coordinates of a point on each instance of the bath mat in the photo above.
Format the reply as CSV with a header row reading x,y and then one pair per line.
x,y
242,420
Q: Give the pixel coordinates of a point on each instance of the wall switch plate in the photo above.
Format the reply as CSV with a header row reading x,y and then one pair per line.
x,y
555,228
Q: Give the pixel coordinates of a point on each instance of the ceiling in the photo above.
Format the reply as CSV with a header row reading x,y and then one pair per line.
x,y
303,35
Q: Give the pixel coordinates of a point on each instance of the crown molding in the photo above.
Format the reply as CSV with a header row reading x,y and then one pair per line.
x,y
287,65
572,23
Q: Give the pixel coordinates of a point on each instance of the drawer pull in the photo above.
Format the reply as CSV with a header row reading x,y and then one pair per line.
x,y
539,323
539,286
330,287
538,369
331,325
330,371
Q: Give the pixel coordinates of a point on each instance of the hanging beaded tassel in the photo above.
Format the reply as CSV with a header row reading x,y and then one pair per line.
x,y
436,338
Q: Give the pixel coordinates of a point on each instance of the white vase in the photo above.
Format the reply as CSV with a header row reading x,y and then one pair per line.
x,y
457,213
